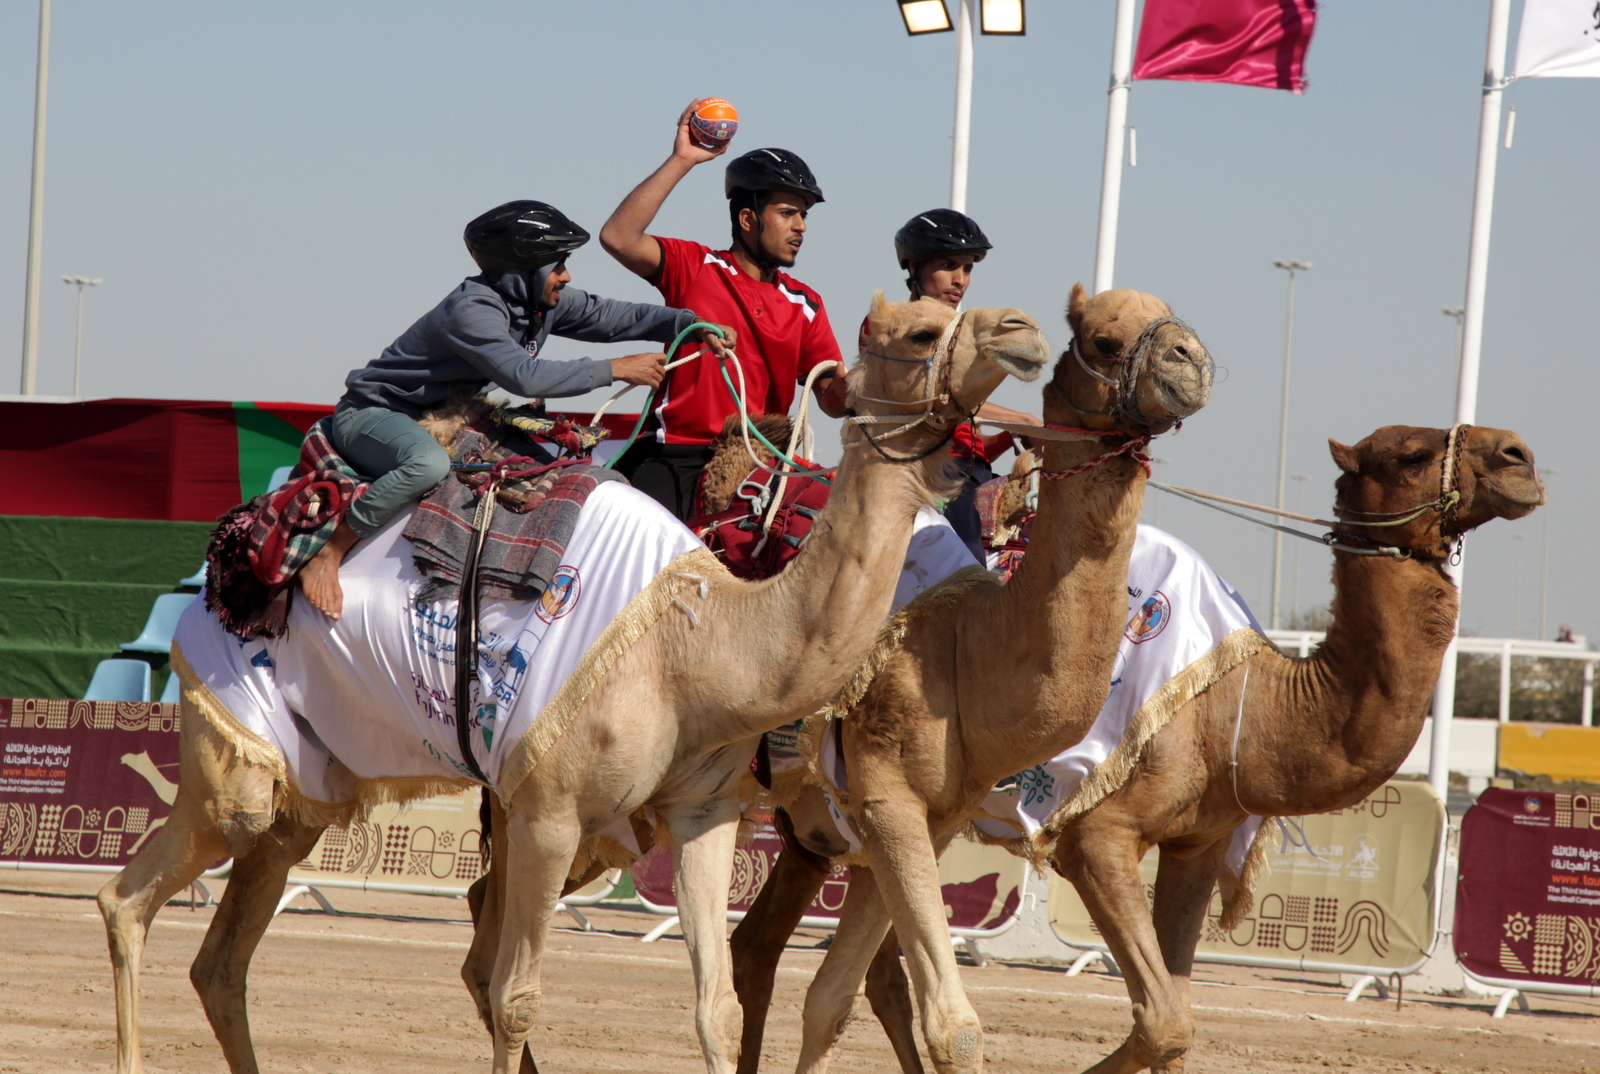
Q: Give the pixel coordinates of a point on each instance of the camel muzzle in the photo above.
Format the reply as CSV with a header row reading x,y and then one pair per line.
x,y
1177,375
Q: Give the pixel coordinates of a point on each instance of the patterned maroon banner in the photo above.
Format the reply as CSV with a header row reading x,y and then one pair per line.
x,y
1528,897
84,783
982,884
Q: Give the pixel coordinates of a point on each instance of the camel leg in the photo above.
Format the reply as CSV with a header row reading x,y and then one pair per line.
x,y
1183,896
221,807
758,941
485,901
223,962
1101,857
703,834
906,862
831,999
538,846
889,993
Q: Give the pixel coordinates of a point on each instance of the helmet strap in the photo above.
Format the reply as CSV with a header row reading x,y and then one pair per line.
x,y
758,256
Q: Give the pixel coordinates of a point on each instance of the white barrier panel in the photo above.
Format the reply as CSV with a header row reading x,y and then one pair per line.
x,y
1360,895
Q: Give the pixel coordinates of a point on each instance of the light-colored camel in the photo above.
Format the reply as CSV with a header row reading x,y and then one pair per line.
x,y
670,724
1314,735
986,681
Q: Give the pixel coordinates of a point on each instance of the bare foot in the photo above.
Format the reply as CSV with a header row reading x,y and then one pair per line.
x,y
320,578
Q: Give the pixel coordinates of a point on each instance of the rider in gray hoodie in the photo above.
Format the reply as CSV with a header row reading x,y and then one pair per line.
x,y
489,330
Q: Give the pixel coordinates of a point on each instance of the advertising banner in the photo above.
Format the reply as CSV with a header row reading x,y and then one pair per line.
x,y
83,784
1351,891
982,884
1528,895
430,846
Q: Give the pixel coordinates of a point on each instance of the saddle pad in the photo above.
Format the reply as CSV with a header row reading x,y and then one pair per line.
x,y
1179,610
376,688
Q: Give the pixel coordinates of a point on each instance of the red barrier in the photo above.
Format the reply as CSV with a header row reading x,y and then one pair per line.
x,y
83,784
1528,896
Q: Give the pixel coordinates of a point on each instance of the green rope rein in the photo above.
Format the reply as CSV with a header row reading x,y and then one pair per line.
x,y
744,411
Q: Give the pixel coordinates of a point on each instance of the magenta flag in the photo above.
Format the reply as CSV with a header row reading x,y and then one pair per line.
x,y
1246,42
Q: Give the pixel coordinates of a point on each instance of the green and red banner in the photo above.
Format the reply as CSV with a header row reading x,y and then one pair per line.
x,y
170,459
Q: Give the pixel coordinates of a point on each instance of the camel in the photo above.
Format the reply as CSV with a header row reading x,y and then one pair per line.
x,y
1313,735
985,680
650,717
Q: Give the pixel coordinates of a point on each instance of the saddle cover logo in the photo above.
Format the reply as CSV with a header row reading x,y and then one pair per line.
x,y
562,596
1151,618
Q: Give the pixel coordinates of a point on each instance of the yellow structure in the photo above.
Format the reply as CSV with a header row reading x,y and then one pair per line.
x,y
1560,751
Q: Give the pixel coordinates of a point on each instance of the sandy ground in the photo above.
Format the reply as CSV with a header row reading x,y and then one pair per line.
x,y
376,988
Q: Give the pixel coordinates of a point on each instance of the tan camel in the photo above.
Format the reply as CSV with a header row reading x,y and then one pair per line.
x,y
669,722
985,681
1314,735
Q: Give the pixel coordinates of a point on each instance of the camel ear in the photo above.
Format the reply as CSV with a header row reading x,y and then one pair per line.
x,y
878,315
1076,300
1344,457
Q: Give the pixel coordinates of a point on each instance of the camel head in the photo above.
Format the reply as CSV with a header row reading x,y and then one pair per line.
x,y
909,367
1132,366
1401,470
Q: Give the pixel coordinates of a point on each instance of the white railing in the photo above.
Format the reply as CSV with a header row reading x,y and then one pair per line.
x,y
1301,642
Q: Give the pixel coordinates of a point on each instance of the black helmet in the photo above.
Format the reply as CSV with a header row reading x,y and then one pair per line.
x,y
939,231
771,169
528,234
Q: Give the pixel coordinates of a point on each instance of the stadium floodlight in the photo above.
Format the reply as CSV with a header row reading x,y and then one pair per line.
x,y
1002,17
925,16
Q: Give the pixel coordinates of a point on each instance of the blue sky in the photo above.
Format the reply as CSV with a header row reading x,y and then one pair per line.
x,y
274,192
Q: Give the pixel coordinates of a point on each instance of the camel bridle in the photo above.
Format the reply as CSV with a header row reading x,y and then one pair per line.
x,y
1125,384
939,370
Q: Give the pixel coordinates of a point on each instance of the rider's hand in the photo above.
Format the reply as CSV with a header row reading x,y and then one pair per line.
x,y
645,369
720,345
685,148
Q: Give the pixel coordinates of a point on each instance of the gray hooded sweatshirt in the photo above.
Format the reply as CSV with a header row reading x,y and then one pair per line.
x,y
490,330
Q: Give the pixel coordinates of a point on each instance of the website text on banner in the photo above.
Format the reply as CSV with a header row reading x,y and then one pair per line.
x,y
1528,895
982,885
1358,895
83,784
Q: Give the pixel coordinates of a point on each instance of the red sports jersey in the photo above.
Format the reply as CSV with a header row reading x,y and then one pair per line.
x,y
783,333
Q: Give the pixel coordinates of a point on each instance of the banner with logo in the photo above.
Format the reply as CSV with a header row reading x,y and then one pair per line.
x,y
1528,894
982,885
83,784
1353,891
430,846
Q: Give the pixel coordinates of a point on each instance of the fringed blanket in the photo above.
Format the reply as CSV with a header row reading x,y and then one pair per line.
x,y
363,708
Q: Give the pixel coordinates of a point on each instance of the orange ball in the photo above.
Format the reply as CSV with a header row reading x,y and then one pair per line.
x,y
713,123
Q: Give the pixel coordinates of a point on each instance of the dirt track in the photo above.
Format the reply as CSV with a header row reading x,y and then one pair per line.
x,y
395,1003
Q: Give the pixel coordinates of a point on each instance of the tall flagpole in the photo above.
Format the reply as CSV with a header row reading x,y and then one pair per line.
x,y
1494,65
961,138
30,301
1105,250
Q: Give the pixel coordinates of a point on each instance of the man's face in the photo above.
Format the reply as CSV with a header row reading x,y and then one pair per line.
x,y
946,277
784,227
558,278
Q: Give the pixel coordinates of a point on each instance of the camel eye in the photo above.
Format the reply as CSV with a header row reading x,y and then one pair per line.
x,y
1109,348
1415,458
924,337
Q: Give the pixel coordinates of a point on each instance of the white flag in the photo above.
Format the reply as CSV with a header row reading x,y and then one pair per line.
x,y
1559,39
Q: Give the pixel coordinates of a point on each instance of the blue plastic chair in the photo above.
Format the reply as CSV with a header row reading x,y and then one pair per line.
x,y
119,680
172,693
279,478
197,579
157,634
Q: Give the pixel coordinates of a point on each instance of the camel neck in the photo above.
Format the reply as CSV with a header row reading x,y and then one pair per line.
x,y
1069,595
1358,703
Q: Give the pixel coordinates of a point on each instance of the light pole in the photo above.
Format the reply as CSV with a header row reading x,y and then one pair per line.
x,y
1299,494
1516,592
1544,568
77,359
1002,17
1461,319
1291,267
30,300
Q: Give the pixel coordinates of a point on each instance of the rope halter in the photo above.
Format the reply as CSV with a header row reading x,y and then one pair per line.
x,y
1447,505
1125,384
939,369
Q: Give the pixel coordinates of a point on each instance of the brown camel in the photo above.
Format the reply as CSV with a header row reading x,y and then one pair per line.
x,y
667,714
986,680
1314,735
